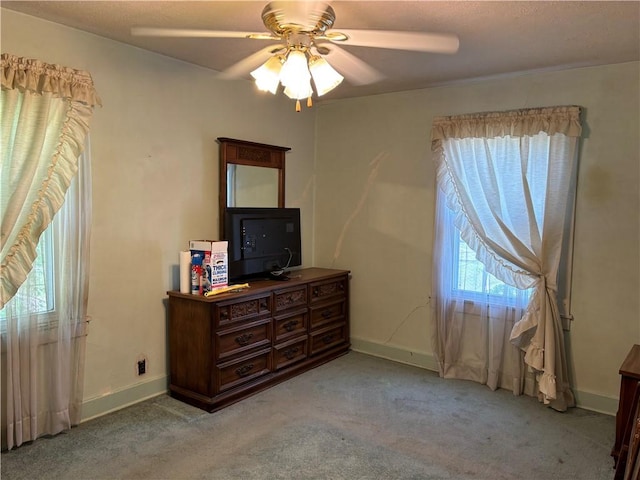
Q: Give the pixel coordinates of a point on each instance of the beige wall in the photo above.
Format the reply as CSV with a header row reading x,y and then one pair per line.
x,y
155,180
155,186
375,208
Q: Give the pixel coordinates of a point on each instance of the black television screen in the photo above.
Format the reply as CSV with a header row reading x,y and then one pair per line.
x,y
262,241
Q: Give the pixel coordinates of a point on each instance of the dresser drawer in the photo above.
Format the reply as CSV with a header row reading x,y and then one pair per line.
x,y
290,325
290,298
234,341
236,372
236,311
327,313
328,289
328,337
290,352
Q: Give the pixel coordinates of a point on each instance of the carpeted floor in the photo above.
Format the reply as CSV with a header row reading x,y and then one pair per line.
x,y
358,417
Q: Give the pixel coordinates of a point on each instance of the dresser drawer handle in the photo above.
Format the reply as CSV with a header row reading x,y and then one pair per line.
x,y
291,352
263,305
244,339
327,339
327,313
224,315
290,325
244,370
316,292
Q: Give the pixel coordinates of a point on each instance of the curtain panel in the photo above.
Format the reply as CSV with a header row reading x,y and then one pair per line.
x,y
506,176
45,112
44,372
471,334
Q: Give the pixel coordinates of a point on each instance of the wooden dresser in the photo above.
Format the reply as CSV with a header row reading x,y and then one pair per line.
x,y
626,447
229,346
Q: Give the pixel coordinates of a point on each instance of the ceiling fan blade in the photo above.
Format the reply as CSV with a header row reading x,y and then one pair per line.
x,y
195,33
397,40
351,67
247,64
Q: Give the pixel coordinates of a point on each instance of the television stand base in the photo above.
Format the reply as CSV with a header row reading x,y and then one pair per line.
x,y
283,277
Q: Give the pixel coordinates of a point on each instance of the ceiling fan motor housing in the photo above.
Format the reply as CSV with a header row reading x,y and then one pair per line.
x,y
284,18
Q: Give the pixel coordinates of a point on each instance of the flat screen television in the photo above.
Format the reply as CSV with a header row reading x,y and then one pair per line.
x,y
263,242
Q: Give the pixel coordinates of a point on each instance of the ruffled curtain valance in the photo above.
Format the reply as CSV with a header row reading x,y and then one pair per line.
x,y
27,74
515,123
45,113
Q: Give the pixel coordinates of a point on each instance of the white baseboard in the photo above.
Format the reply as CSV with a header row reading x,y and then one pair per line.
x,y
116,400
395,354
596,402
585,400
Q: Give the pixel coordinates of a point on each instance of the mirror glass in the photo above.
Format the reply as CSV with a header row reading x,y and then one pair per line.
x,y
249,186
251,175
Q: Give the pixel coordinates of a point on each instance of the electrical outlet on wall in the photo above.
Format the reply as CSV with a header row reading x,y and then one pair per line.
x,y
141,365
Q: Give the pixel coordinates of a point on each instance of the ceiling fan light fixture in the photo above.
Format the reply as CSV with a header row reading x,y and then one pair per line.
x,y
295,72
299,91
325,77
267,76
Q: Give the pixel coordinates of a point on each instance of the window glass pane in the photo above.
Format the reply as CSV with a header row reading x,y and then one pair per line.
x,y
470,271
473,279
36,294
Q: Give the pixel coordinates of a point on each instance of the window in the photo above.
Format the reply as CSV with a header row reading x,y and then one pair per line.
x,y
39,299
472,281
505,180
37,294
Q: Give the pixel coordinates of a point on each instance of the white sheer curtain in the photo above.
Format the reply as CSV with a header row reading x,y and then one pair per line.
x,y
472,331
45,349
45,111
505,177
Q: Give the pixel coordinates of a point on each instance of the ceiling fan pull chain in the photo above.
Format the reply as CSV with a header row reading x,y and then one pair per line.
x,y
309,102
297,105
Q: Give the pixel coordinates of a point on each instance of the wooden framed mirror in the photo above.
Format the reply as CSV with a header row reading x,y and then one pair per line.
x,y
251,175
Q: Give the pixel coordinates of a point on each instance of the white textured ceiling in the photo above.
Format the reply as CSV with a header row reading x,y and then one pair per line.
x,y
496,38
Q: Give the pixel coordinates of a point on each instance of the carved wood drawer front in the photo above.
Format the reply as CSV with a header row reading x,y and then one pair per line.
x,y
229,312
324,290
290,325
327,313
242,370
328,337
290,352
242,338
293,297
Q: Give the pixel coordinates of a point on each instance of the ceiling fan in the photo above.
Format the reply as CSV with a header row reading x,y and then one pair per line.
x,y
305,40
